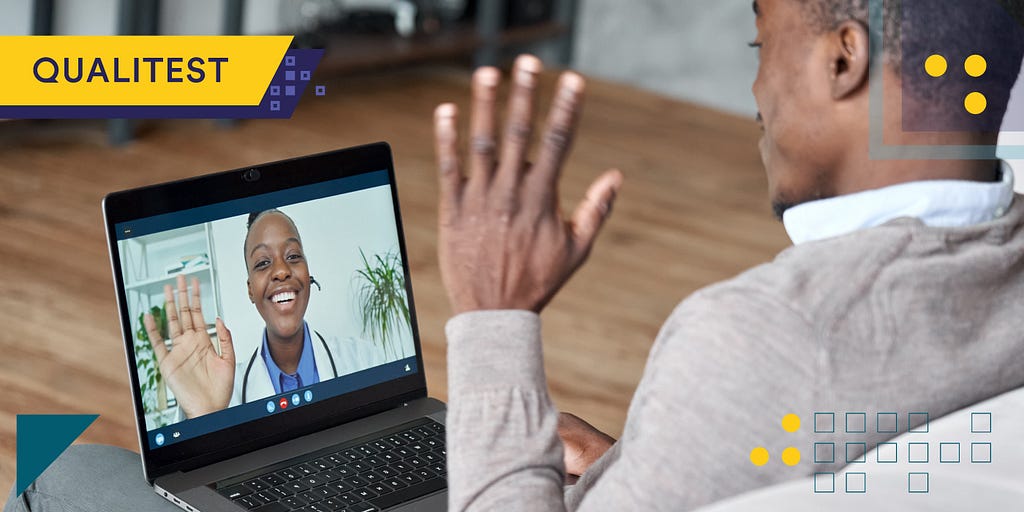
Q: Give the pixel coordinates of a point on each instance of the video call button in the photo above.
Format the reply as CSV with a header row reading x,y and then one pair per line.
x,y
295,399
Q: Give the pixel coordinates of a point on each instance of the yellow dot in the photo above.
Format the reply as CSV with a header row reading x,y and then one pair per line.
x,y
791,456
975,65
759,456
936,65
975,103
791,423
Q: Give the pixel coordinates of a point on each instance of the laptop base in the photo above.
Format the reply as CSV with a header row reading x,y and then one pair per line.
x,y
191,490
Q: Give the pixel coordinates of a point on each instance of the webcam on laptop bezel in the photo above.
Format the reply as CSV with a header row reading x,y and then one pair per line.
x,y
252,175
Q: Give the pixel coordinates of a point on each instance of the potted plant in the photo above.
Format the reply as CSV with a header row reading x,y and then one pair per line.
x,y
154,393
380,287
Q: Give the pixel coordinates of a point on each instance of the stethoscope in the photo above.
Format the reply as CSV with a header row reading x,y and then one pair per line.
x,y
248,368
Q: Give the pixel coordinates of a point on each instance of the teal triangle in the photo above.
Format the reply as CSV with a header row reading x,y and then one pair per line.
x,y
41,439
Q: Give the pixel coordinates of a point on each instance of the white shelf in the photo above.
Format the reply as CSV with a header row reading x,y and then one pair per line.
x,y
147,283
174,234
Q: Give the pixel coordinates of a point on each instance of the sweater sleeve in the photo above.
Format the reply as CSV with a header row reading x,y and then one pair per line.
x,y
727,366
503,446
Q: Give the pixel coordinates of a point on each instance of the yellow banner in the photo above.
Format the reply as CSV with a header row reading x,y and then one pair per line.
x,y
138,70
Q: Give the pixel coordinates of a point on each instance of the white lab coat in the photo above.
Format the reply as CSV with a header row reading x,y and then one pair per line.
x,y
349,355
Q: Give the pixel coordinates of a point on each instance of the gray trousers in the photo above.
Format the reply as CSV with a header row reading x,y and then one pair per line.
x,y
91,478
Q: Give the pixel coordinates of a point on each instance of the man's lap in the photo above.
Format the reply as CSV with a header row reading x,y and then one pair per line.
x,y
91,478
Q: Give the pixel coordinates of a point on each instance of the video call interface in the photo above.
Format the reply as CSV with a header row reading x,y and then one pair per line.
x,y
305,287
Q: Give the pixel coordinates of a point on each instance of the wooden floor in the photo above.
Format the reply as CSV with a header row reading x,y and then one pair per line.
x,y
693,211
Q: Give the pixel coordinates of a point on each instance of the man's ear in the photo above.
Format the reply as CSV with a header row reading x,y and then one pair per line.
x,y
849,55
248,285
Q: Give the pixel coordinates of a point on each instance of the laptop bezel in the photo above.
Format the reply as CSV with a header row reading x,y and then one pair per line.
x,y
234,184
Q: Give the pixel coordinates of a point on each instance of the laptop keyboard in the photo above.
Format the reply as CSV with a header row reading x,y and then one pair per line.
x,y
369,474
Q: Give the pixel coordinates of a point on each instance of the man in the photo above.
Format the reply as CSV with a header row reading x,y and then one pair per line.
x,y
901,293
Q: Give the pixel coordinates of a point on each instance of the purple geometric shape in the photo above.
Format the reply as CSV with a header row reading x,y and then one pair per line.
x,y
275,90
289,60
304,75
275,106
321,90
289,75
289,90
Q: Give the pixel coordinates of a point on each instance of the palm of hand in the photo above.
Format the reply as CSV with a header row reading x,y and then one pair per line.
x,y
201,379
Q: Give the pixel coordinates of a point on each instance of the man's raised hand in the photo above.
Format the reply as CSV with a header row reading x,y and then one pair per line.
x,y
503,240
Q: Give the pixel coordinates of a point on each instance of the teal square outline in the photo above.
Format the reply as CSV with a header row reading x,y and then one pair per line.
x,y
910,417
862,491
814,483
833,415
989,461
816,461
989,414
877,148
927,482
878,423
847,425
927,457
957,461
863,455
878,453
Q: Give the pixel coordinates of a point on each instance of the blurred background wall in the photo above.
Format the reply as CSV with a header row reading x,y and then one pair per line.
x,y
694,50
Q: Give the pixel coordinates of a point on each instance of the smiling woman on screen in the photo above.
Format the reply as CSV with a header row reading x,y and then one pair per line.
x,y
290,356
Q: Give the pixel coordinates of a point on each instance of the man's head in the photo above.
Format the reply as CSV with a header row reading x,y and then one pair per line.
x,y
278,273
812,82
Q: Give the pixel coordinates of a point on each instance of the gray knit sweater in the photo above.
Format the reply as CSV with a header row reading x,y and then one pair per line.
x,y
899,318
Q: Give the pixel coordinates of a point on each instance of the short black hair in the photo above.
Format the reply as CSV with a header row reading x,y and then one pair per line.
x,y
914,30
254,216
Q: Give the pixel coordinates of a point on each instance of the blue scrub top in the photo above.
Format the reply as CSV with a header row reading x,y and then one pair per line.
x,y
304,375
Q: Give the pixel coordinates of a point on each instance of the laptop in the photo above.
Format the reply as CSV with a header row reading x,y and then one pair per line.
x,y
310,393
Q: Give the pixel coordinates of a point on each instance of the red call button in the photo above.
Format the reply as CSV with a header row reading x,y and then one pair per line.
x,y
283,403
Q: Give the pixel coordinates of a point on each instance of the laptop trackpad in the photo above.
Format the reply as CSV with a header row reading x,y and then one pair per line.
x,y
433,503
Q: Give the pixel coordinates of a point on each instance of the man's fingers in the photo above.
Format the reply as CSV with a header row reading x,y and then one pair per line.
x,y
519,122
560,129
155,340
446,137
482,144
197,310
185,313
592,212
173,325
227,348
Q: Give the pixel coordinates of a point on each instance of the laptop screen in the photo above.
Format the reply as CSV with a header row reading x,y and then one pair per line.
x,y
309,287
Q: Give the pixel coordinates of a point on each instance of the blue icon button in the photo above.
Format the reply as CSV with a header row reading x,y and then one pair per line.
x,y
308,395
295,399
270,406
159,439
